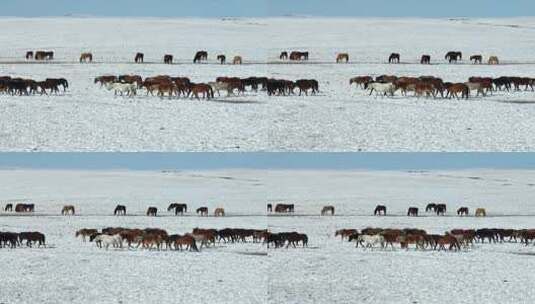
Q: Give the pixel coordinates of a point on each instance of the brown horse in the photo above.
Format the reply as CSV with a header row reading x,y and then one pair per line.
x,y
360,81
201,88
32,238
296,55
440,209
380,210
139,58
413,211
345,233
481,212
202,210
152,211
84,233
342,57
221,58
200,56
327,209
219,212
179,208
493,60
476,59
304,85
68,209
456,88
237,60
120,210
394,58
462,211
105,79
86,57
44,55
187,241
283,56
29,55
8,208
168,59
443,241
24,208
426,59
453,56
284,208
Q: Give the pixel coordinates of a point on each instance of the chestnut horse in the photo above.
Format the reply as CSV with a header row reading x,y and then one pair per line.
x,y
481,212
327,209
139,58
86,57
342,57
456,88
24,208
394,58
494,60
68,209
360,81
222,59
201,88
380,210
237,60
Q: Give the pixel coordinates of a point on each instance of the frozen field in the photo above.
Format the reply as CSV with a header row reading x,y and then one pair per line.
x,y
329,271
340,118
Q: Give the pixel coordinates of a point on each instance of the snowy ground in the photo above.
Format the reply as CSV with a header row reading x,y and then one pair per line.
x,y
329,271
339,119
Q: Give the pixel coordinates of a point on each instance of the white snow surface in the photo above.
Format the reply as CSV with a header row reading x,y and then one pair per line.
x,y
329,271
340,118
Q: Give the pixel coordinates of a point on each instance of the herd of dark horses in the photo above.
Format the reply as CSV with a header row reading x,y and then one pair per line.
x,y
437,208
430,86
20,208
18,239
451,240
176,87
21,86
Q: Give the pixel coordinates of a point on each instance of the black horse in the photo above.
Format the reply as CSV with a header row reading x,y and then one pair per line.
x,y
380,210
120,210
200,56
394,58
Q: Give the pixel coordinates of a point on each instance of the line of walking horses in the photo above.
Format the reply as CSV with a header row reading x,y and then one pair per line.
x,y
437,208
176,87
430,86
18,239
451,240
159,239
21,86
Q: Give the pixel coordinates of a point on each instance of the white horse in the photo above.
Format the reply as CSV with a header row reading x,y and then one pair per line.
x,y
130,89
381,88
371,240
115,240
220,86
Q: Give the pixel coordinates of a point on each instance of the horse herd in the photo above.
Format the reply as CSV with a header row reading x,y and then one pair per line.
x,y
437,208
14,239
430,86
159,239
200,56
176,208
21,86
176,87
451,240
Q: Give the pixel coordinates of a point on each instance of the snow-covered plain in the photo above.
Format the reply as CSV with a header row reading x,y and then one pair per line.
x,y
329,271
88,118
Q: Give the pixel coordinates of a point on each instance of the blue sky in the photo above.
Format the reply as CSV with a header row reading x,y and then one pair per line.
x,y
216,8
207,161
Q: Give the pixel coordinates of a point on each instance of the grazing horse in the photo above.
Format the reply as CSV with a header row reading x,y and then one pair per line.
x,y
284,208
152,211
380,210
327,209
360,81
494,60
29,55
345,233
85,233
168,59
456,88
384,89
44,55
426,59
448,240
200,56
116,241
179,208
476,59
222,59
201,88
237,60
127,89
394,58
462,211
31,238
296,55
68,209
202,210
453,56
187,240
119,210
413,211
8,208
369,241
269,208
307,84
283,56
139,58
481,212
219,212
24,208
342,57
86,57
440,209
